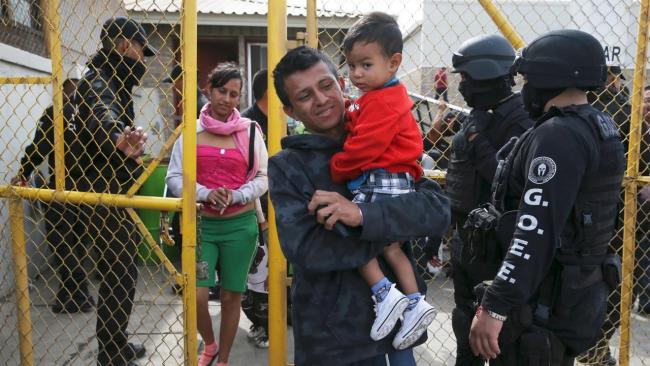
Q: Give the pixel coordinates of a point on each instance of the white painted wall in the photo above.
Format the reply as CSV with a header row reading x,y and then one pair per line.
x,y
447,23
20,108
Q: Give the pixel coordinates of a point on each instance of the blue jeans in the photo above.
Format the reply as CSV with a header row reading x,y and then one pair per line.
x,y
397,358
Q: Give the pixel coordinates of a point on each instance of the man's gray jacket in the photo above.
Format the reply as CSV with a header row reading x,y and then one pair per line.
x,y
332,308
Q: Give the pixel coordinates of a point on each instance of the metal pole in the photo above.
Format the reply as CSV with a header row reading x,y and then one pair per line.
x,y
106,199
25,80
153,246
188,220
16,214
312,24
502,23
629,221
54,42
277,37
155,162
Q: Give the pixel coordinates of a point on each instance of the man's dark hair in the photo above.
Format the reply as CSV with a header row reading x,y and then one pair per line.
x,y
260,84
298,59
223,73
375,27
647,87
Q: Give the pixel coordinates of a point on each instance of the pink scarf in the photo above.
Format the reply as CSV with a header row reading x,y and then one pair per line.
x,y
235,125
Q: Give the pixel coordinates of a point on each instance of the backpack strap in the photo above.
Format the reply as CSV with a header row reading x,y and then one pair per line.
x,y
251,147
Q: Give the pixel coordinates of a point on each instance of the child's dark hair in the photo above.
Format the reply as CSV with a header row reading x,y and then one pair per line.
x,y
375,27
223,73
298,59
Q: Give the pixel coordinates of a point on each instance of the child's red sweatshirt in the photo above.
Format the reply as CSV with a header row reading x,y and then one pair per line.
x,y
382,134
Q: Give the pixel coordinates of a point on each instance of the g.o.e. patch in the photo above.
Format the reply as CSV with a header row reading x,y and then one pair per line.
x,y
542,169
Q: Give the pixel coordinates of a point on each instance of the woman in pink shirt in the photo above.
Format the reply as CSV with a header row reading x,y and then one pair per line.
x,y
230,177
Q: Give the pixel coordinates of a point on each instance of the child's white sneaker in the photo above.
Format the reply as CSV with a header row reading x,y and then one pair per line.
x,y
388,312
414,324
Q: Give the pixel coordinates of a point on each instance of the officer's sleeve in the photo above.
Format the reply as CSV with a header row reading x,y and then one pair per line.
x,y
553,167
484,155
41,146
105,124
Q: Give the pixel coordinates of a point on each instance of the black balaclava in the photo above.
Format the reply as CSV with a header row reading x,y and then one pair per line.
x,y
535,99
485,94
128,70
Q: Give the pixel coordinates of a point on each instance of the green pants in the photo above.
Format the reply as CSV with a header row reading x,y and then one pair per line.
x,y
230,242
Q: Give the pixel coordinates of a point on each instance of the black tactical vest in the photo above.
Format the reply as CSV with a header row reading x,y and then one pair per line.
x,y
464,186
592,222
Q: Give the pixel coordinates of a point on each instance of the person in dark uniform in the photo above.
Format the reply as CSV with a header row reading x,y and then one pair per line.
x,y
65,234
113,146
614,100
560,182
498,114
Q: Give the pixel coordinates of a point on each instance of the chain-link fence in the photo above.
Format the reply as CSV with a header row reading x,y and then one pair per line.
x,y
79,249
81,270
432,30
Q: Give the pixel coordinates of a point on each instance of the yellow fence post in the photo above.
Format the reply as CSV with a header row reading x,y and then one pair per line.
x,y
54,43
277,37
188,221
17,214
502,23
312,24
629,221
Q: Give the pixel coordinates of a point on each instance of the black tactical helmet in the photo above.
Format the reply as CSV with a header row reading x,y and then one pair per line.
x,y
484,57
563,59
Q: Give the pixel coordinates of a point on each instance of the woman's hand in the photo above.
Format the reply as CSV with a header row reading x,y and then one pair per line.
x,y
220,197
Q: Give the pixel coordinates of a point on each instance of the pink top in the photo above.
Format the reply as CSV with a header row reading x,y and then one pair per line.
x,y
220,167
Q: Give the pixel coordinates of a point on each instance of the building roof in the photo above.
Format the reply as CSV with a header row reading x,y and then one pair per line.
x,y
295,8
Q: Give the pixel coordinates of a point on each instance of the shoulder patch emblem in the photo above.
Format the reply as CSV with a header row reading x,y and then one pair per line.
x,y
542,169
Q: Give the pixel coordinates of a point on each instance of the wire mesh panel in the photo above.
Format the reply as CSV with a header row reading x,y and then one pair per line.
x,y
432,30
97,273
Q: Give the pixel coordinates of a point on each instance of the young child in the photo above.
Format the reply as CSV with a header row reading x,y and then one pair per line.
x,y
379,160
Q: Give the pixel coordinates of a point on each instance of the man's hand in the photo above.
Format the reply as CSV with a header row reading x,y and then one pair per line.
x,y
19,181
484,336
331,207
644,193
220,197
131,142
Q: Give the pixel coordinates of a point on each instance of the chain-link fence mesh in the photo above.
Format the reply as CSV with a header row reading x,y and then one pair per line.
x,y
90,266
432,30
71,247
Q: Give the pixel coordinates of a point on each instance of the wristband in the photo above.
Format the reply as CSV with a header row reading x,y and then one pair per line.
x,y
491,314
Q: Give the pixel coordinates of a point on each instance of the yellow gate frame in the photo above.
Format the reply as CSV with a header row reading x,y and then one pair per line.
x,y
186,204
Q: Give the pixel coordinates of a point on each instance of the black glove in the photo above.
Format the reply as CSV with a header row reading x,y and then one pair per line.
x,y
478,121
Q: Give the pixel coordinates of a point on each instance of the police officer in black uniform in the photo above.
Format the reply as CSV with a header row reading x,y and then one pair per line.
x,y
112,147
561,180
65,233
498,114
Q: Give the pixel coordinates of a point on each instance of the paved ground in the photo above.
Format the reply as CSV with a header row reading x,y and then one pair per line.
x,y
156,322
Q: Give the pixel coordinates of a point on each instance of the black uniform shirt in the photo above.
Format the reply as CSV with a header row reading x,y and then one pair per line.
x,y
42,146
546,177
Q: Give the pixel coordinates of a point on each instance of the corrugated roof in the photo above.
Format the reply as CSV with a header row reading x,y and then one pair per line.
x,y
230,7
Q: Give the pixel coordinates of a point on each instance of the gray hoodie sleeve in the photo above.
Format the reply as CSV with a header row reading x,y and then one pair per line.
x,y
174,177
310,247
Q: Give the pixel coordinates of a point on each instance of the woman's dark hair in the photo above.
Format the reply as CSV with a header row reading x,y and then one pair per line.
x,y
223,73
